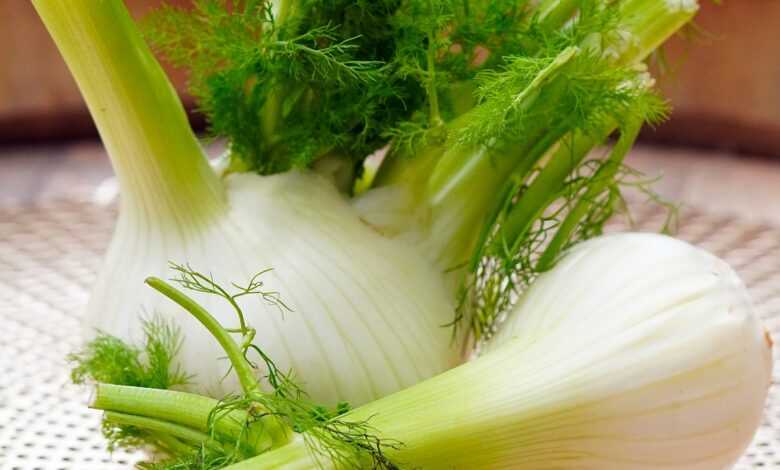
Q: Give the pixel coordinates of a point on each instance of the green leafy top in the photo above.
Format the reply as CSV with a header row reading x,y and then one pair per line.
x,y
289,87
575,87
292,81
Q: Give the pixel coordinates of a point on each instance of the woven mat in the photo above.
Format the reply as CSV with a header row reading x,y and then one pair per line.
x,y
48,257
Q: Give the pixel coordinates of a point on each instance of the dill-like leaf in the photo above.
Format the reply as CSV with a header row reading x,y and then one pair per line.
x,y
286,92
107,359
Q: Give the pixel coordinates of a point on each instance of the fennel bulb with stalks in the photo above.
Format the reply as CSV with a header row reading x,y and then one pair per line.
x,y
366,312
635,352
482,149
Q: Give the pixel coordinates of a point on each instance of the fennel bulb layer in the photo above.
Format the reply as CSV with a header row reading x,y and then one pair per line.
x,y
635,352
366,311
659,356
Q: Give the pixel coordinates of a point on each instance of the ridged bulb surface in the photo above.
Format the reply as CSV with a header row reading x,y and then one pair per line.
x,y
367,312
639,351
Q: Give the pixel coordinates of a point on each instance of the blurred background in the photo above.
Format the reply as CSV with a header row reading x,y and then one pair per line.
x,y
719,155
722,78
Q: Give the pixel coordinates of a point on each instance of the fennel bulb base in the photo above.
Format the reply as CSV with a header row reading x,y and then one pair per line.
x,y
366,311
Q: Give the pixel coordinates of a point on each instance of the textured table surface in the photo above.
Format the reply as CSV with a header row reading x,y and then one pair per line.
x,y
56,217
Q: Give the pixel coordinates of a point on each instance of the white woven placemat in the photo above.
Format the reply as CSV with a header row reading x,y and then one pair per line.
x,y
48,256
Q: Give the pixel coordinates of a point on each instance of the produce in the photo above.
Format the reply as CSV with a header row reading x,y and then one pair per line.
x,y
407,184
658,362
489,109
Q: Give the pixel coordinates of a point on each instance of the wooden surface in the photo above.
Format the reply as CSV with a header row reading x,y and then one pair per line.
x,y
717,182
724,80
38,97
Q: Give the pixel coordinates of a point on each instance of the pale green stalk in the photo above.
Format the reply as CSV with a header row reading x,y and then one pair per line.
x,y
557,12
164,428
171,445
190,411
433,94
271,110
163,173
650,23
234,353
601,182
444,421
294,456
181,408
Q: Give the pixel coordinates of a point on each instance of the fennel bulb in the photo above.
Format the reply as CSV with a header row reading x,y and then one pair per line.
x,y
636,351
366,311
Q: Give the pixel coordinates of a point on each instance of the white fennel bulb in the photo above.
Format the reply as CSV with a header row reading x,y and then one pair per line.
x,y
635,352
367,312
649,355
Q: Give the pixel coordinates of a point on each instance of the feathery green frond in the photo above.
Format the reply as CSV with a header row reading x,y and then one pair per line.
x,y
286,93
108,359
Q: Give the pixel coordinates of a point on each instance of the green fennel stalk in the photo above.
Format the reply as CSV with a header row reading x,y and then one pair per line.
x,y
159,162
